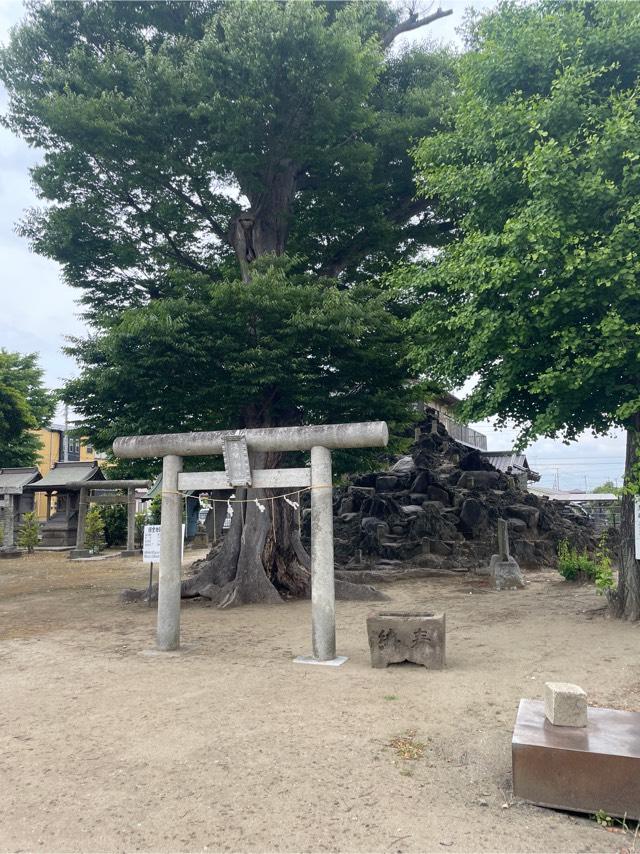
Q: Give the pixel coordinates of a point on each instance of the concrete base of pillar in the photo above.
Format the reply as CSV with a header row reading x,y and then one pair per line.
x,y
10,553
309,659
506,574
167,653
131,553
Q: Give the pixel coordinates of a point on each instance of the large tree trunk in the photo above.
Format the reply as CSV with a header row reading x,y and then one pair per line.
x,y
263,229
262,558
625,601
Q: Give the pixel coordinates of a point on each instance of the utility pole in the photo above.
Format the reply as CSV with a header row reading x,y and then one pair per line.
x,y
65,438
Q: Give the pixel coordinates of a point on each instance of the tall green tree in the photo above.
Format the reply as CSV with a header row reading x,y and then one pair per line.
x,y
225,184
25,405
540,168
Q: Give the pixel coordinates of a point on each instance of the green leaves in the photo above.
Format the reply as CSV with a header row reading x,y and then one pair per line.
x,y
186,143
24,406
161,121
286,349
539,296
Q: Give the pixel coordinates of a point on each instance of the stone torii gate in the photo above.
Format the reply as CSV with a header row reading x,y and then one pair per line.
x,y
86,497
235,446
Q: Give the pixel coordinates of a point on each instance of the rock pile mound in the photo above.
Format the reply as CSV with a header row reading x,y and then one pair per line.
x,y
438,508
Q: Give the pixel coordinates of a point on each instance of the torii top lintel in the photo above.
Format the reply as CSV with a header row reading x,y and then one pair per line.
x,y
366,434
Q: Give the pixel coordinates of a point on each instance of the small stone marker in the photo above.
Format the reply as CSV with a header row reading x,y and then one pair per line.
x,y
404,636
503,539
565,704
503,568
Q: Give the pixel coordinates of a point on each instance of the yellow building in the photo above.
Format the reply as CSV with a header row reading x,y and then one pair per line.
x,y
53,450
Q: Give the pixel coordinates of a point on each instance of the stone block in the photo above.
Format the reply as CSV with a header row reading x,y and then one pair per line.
x,y
565,704
405,465
422,482
529,515
346,505
506,574
397,636
439,547
411,510
583,769
518,526
437,493
386,483
478,479
472,514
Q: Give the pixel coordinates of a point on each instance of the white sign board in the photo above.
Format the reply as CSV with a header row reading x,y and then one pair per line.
x,y
636,527
151,543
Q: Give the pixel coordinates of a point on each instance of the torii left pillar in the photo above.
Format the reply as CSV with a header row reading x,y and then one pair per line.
x,y
168,627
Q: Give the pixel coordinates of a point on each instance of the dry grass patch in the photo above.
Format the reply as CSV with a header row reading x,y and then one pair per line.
x,y
406,746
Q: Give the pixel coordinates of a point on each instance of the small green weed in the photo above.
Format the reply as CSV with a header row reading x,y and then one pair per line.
x,y
613,825
603,818
604,568
575,565
578,566
391,697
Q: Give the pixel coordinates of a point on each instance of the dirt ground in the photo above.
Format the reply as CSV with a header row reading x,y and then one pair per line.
x,y
230,746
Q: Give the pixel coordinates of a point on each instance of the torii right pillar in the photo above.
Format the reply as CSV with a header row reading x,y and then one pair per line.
x,y
323,597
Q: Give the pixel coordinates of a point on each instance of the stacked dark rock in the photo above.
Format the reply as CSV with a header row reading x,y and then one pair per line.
x,y
438,508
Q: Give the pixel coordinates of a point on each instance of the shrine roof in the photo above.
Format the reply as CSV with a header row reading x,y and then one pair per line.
x,y
62,475
15,479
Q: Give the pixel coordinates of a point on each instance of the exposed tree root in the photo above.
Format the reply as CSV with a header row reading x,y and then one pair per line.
x,y
261,560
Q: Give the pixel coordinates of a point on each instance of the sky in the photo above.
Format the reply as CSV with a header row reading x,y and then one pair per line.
x,y
39,309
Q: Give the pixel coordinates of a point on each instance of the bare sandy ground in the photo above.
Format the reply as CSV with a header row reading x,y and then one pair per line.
x,y
229,746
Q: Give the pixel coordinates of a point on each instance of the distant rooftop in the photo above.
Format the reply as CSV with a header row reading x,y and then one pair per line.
x,y
575,496
445,397
13,480
510,461
63,474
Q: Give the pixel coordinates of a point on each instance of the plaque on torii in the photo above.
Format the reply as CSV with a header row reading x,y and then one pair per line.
x,y
236,460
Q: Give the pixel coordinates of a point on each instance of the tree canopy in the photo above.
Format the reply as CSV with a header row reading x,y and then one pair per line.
x,y
284,350
608,486
179,133
540,168
184,141
25,405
